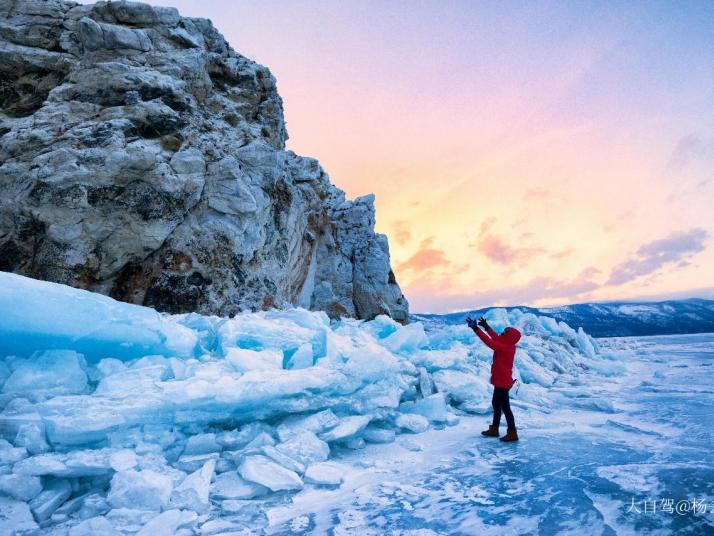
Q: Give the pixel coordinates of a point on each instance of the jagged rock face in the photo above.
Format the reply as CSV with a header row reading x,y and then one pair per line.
x,y
141,157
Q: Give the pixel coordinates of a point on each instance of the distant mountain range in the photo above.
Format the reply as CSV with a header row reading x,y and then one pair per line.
x,y
613,319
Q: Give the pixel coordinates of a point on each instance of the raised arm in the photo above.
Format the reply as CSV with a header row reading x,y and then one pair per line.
x,y
491,341
491,333
488,341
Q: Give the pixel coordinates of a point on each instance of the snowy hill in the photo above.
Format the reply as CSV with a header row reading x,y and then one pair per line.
x,y
115,417
612,319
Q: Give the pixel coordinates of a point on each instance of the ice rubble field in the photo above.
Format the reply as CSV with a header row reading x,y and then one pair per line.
x,y
117,419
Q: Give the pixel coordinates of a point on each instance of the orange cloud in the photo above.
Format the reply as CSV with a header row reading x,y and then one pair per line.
x,y
424,259
402,234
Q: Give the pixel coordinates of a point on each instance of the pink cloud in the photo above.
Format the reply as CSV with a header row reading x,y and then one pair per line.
x,y
500,252
561,254
424,259
650,257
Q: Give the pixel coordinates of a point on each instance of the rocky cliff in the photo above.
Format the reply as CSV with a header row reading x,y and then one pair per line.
x,y
142,157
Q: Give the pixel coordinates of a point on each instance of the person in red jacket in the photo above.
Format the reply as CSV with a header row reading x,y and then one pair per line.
x,y
504,350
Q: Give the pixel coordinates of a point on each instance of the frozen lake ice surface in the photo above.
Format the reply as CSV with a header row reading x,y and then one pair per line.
x,y
116,419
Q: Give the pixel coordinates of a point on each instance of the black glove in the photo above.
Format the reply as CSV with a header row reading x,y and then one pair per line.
x,y
482,322
470,322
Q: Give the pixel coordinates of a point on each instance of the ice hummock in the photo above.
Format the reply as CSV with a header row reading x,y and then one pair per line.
x,y
117,417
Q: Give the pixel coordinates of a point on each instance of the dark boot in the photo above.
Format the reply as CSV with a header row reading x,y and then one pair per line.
x,y
491,432
511,435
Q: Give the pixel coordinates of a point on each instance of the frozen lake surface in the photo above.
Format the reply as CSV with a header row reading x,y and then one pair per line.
x,y
585,468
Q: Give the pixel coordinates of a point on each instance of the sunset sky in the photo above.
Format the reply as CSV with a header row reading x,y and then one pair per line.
x,y
534,153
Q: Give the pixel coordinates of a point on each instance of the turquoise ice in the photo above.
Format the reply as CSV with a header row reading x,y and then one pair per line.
x,y
116,417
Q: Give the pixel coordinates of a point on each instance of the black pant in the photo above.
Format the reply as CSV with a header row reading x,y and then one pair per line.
x,y
501,404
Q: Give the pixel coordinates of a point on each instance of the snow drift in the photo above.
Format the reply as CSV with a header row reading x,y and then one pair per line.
x,y
113,413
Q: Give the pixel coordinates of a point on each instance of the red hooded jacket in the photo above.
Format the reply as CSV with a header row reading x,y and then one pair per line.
x,y
504,350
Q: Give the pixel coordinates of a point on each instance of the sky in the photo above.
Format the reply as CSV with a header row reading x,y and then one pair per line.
x,y
521,153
